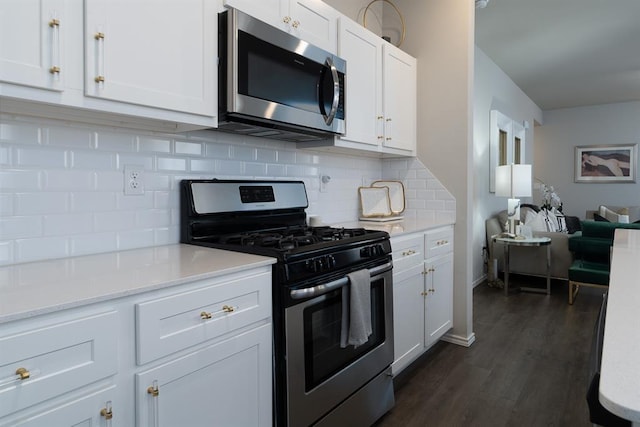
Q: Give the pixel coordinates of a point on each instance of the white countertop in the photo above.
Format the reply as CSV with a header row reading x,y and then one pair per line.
x,y
620,369
41,287
397,228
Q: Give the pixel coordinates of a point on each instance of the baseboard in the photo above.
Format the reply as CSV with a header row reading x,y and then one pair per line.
x,y
460,340
479,281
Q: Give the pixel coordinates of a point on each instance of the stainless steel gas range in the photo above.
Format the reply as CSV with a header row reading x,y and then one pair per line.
x,y
319,379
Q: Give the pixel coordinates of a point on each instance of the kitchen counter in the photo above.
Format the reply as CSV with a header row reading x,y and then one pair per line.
x,y
397,228
620,373
46,286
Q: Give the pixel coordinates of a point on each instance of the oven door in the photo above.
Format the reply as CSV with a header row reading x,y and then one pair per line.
x,y
320,374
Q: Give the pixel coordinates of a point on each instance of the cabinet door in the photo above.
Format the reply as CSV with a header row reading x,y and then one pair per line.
x,y
439,298
273,12
363,52
226,384
408,317
161,55
399,98
315,22
85,410
32,48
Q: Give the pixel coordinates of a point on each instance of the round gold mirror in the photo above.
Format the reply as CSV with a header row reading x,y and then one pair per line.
x,y
393,29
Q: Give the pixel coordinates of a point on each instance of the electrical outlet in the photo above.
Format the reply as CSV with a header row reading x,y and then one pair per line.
x,y
133,180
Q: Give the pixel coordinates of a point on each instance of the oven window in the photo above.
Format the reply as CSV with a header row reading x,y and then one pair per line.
x,y
276,75
322,322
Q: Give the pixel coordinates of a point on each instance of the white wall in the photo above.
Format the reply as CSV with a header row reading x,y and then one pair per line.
x,y
563,130
493,90
439,33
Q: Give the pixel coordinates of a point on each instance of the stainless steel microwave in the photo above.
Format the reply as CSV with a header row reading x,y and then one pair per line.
x,y
275,85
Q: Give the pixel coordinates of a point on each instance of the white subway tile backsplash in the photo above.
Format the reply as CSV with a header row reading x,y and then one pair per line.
x,y
136,202
176,165
65,196
243,153
165,199
255,169
264,155
45,158
218,151
68,136
60,180
112,181
6,204
276,170
94,201
190,148
15,227
19,180
153,218
41,248
230,167
114,141
136,239
6,253
67,224
154,144
146,162
286,156
20,132
92,160
207,166
93,243
5,160
38,203
114,221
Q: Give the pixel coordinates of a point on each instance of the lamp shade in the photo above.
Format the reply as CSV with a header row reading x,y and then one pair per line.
x,y
513,181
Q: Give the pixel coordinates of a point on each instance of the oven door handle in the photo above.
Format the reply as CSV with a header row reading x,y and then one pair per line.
x,y
328,287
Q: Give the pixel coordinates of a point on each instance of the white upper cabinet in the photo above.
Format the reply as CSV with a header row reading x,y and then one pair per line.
x,y
399,98
32,48
380,100
149,53
120,61
363,51
311,20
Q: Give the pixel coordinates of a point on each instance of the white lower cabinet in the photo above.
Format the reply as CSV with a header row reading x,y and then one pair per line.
x,y
225,384
422,292
50,362
193,354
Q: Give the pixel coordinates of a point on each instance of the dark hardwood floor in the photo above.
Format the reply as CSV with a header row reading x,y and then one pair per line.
x,y
527,367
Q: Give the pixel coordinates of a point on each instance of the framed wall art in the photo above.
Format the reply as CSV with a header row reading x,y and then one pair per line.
x,y
606,163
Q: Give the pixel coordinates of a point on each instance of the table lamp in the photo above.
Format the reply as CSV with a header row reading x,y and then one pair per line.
x,y
513,181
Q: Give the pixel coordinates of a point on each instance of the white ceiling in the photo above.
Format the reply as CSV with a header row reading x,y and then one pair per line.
x,y
565,53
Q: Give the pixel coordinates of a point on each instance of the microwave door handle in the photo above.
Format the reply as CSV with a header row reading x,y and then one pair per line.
x,y
328,287
328,119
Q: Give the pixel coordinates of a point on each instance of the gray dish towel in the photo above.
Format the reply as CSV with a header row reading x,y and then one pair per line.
x,y
356,309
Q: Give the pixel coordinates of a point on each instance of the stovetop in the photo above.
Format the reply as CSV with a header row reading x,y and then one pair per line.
x,y
268,218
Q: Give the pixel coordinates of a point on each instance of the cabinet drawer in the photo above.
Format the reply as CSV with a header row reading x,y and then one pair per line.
x,y
175,322
438,242
59,358
407,251
84,410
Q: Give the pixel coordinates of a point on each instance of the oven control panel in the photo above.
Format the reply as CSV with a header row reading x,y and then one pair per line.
x,y
372,251
321,263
